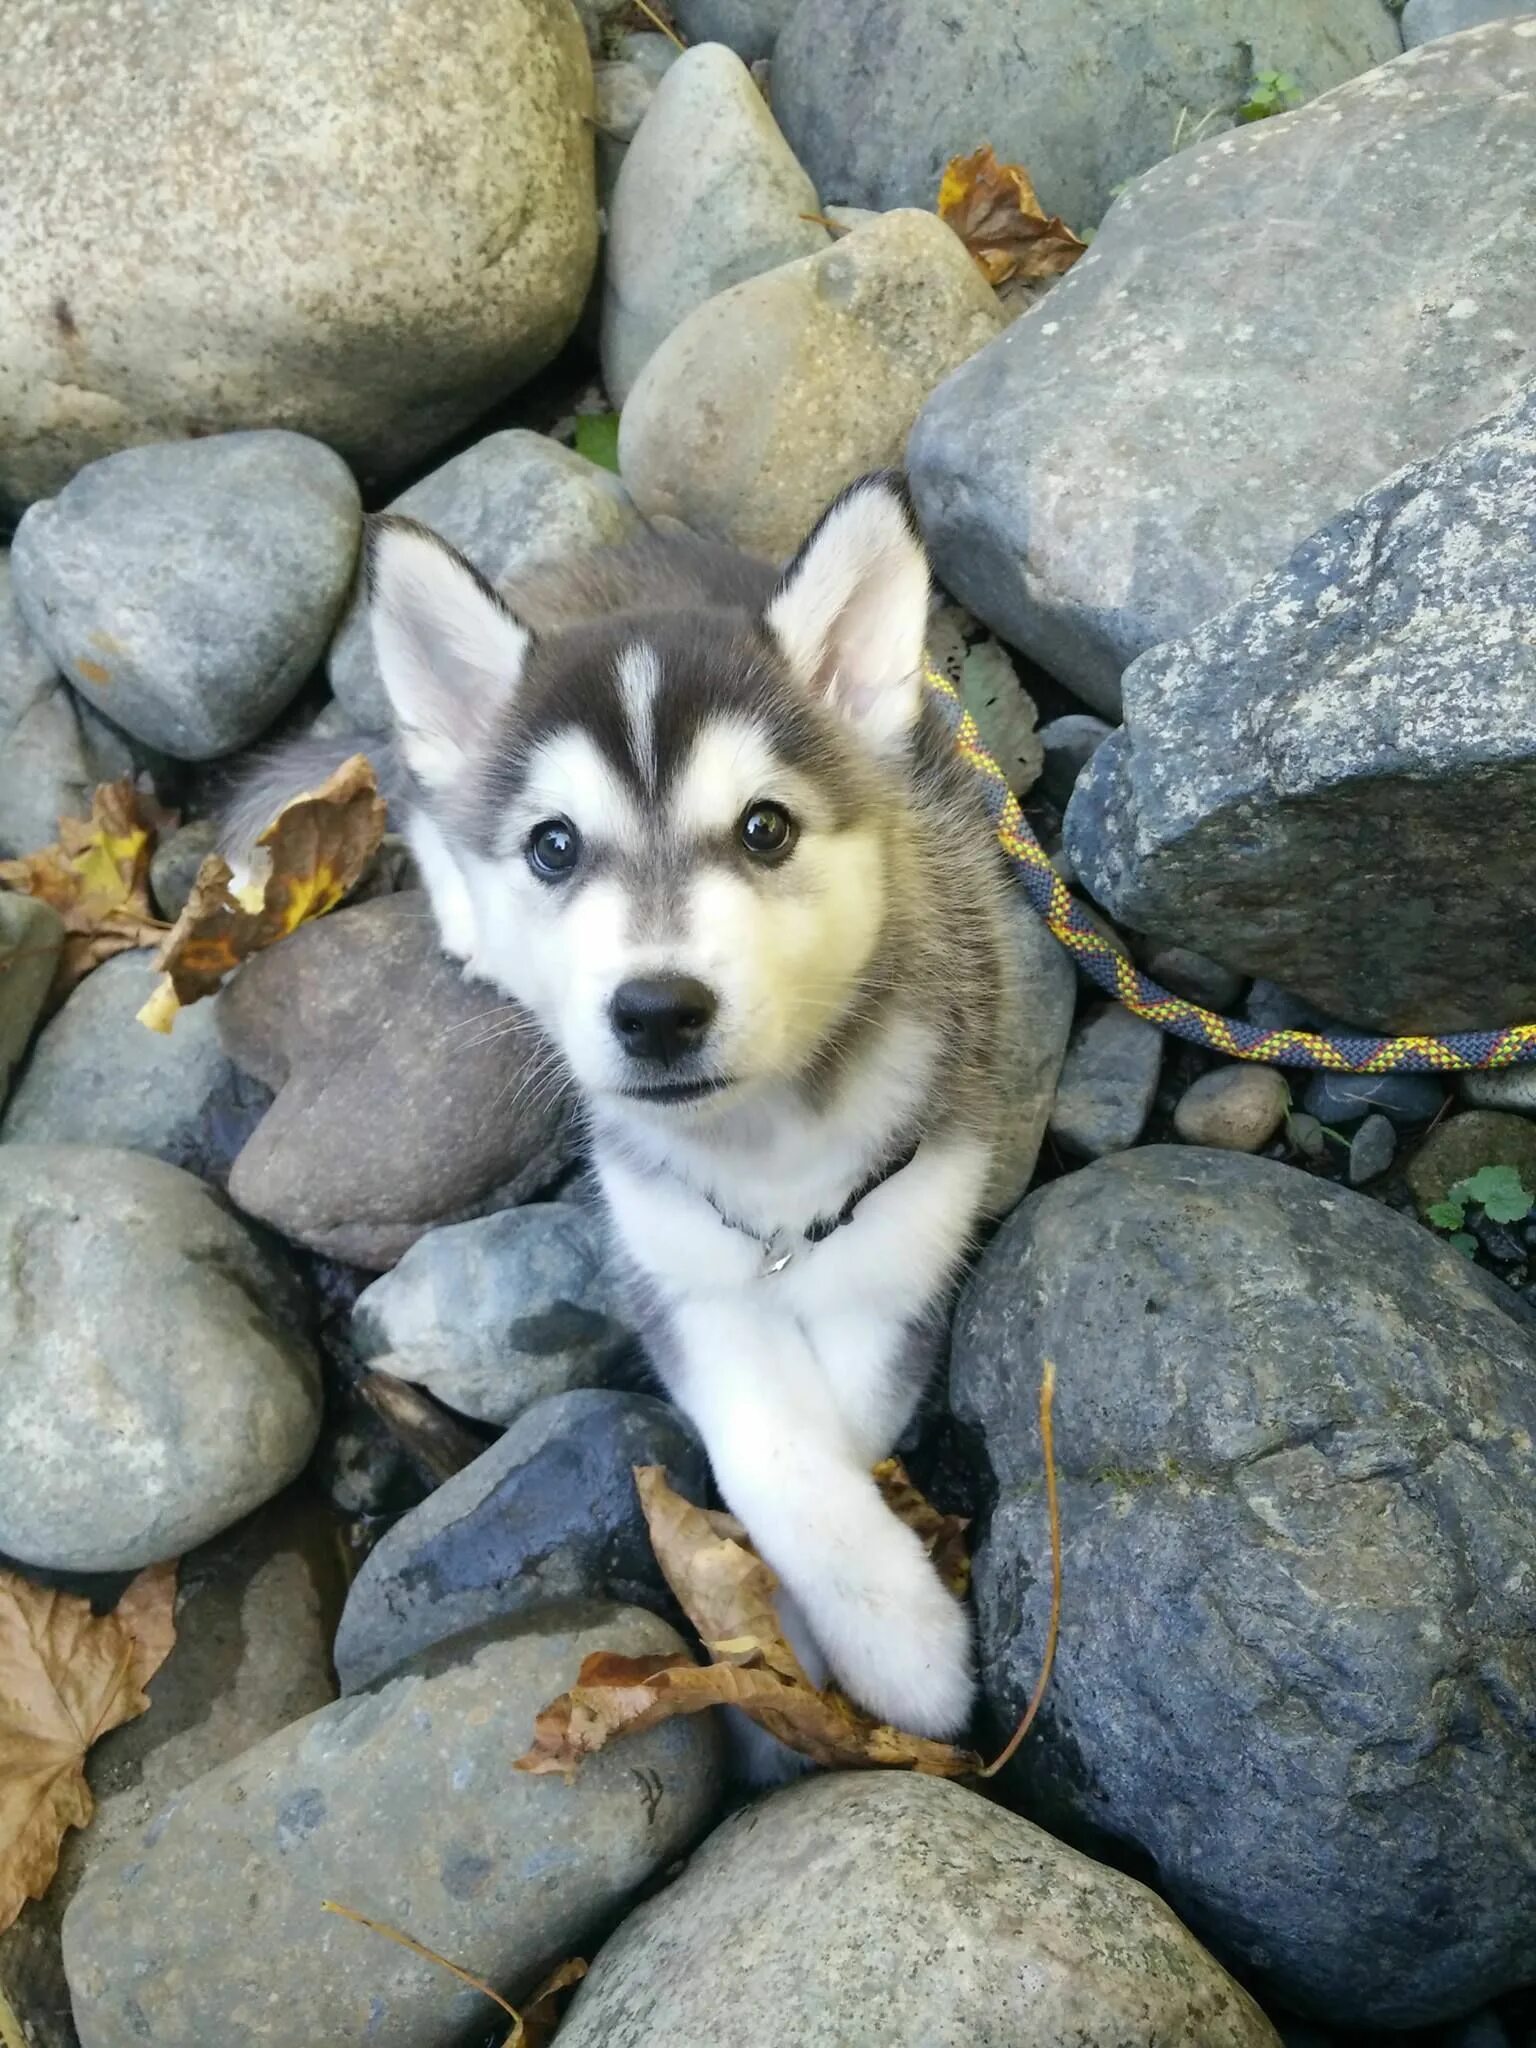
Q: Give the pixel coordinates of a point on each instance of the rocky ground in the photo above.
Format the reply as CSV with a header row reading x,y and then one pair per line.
x,y
1236,527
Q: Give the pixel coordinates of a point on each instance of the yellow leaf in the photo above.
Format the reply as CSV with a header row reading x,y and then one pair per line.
x,y
993,209
66,1677
97,877
312,855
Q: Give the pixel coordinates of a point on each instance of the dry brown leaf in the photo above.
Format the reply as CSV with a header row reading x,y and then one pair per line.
x,y
309,858
727,1592
97,877
943,1536
993,209
66,1677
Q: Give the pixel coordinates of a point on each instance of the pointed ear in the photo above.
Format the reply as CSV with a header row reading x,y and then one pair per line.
x,y
448,649
851,612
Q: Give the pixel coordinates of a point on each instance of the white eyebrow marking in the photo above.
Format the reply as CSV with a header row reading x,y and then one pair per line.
x,y
729,763
568,777
639,680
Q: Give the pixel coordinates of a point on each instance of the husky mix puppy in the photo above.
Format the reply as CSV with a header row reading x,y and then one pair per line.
x,y
698,818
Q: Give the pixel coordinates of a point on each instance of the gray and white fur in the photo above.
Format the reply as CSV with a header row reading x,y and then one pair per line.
x,y
698,818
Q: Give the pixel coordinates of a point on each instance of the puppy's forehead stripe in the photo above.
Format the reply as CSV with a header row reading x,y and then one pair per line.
x,y
639,680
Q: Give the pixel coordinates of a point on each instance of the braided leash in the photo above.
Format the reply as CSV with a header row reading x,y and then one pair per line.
x,y
1050,897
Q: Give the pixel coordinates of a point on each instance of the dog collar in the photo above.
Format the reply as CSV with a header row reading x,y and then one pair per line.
x,y
782,1246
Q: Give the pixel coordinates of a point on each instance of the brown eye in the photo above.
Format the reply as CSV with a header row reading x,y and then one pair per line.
x,y
554,847
767,831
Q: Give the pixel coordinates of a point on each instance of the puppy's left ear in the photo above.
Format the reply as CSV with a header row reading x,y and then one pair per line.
x,y
851,612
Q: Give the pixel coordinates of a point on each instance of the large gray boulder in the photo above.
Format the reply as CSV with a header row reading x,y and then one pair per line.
x,y
188,589
209,1924
1333,784
512,500
1298,1490
877,95
156,1381
1215,378
396,1110
877,1910
749,27
709,194
367,226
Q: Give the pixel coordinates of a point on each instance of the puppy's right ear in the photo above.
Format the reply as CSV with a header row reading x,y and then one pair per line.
x,y
450,653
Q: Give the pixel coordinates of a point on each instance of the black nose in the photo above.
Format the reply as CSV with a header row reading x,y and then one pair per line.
x,y
662,1019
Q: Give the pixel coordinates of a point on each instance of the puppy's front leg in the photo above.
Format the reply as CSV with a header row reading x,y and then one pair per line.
x,y
790,1468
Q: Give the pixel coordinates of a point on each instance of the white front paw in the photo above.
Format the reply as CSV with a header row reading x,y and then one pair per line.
x,y
902,1648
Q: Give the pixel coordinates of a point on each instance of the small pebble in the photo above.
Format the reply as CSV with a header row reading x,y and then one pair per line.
x,y
1196,978
1070,743
1236,1109
1108,1080
174,867
1372,1149
1337,1099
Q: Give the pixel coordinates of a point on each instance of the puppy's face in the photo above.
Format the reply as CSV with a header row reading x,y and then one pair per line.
x,y
668,828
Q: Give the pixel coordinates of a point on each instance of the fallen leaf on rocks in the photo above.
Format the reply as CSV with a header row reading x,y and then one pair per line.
x,y
993,209
309,858
532,2027
597,438
97,877
943,1536
1004,712
727,1592
66,1677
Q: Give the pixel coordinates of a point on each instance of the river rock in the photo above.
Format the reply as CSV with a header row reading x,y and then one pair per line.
x,y
1501,1088
1462,1145
1372,1150
31,937
255,1612
1294,1437
513,499
1343,1099
709,194
1068,744
749,27
764,402
1194,976
877,95
1046,994
417,243
622,93
1236,1109
549,1513
158,1380
1376,691
53,750
392,1114
403,1800
188,589
1108,1081
883,1910
1425,20
98,1077
1327,375
494,1315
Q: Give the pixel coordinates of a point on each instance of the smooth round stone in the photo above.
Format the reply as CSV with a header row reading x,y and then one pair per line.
x,y
880,1909
366,224
1501,1088
189,588
1196,978
1425,21
174,867
1462,1145
206,1927
1070,743
549,1513
1108,1082
1372,1149
157,1382
1408,1099
1236,1109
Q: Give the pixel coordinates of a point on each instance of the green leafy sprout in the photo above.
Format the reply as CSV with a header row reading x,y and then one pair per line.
x,y
597,438
1272,92
1498,1191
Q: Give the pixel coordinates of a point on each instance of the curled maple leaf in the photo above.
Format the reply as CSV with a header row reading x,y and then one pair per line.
x,y
993,209
310,857
66,1677
727,1592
